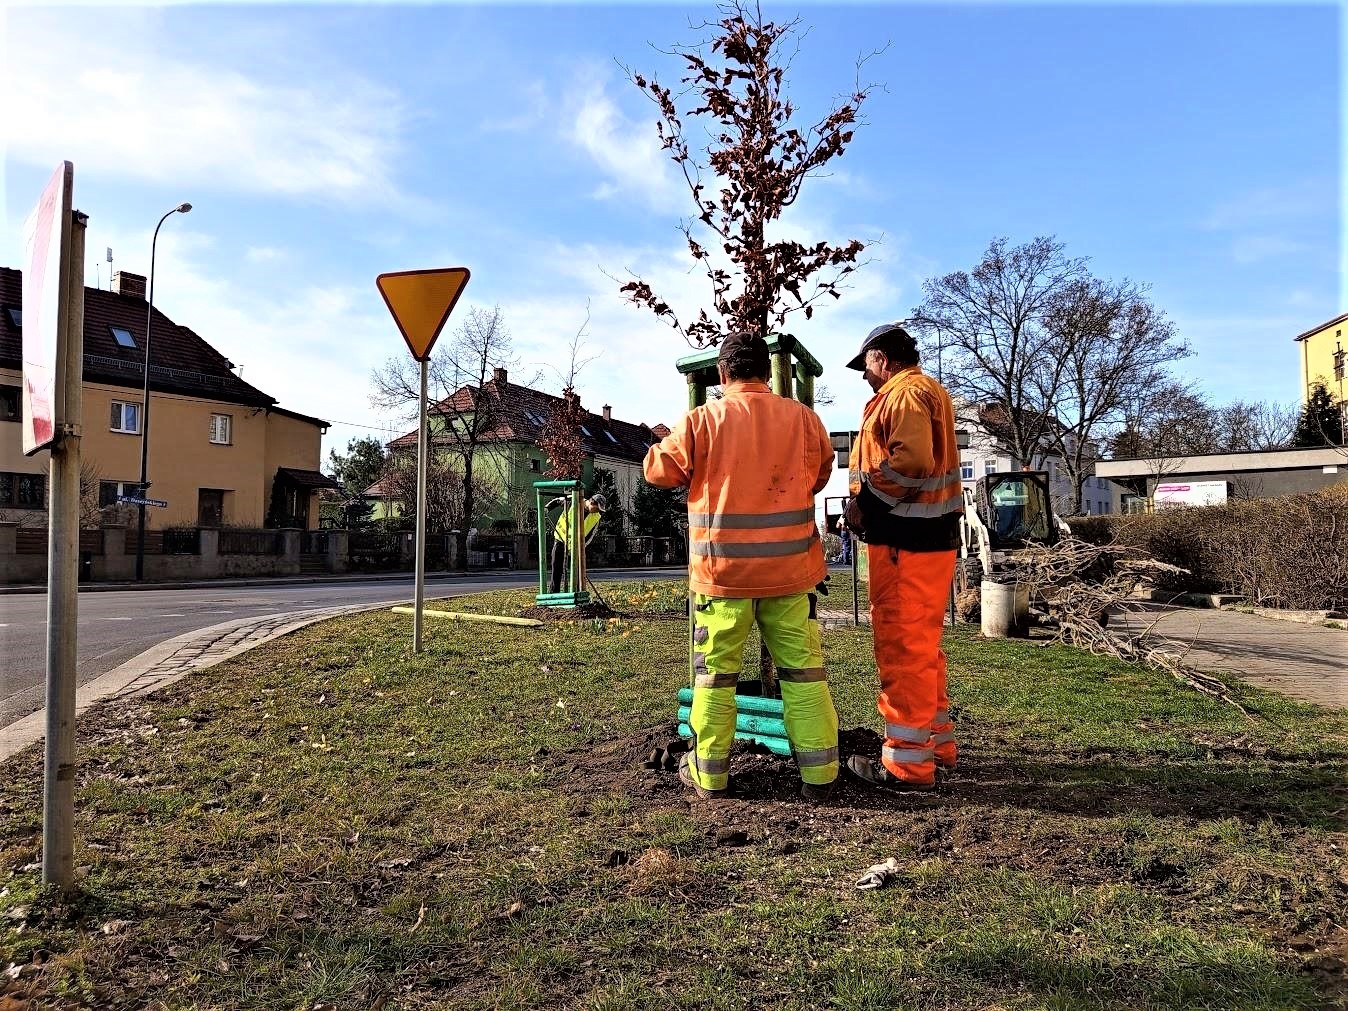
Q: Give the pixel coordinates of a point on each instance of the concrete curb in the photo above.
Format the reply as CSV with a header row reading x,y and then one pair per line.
x,y
141,674
212,584
1301,617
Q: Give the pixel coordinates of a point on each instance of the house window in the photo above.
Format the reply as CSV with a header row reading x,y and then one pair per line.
x,y
9,403
586,431
15,316
125,417
122,336
536,466
110,491
1338,362
23,491
221,425
967,470
611,437
989,467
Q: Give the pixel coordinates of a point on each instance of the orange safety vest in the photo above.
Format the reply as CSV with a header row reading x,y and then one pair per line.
x,y
905,453
752,463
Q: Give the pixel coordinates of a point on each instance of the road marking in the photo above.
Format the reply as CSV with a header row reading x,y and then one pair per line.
x,y
116,619
217,612
173,614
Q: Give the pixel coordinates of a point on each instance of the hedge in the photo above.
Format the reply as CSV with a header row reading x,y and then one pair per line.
x,y
1289,552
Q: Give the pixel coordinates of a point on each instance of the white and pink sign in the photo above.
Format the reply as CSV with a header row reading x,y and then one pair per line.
x,y
45,235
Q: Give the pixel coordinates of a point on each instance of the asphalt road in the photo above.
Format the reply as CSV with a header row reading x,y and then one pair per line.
x,y
115,626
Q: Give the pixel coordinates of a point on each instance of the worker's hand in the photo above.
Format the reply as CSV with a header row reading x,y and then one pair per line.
x,y
821,588
853,518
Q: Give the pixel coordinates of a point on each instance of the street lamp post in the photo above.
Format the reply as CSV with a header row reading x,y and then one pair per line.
x,y
145,403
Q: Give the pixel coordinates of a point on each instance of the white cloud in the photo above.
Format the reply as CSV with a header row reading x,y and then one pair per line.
x,y
626,151
114,101
1259,207
1255,248
264,254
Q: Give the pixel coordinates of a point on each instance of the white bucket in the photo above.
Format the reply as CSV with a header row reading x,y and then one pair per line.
x,y
1005,609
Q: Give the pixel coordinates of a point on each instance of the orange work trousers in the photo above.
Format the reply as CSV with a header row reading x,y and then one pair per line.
x,y
909,592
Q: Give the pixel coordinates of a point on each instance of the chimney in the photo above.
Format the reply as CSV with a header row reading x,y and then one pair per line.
x,y
498,376
126,283
608,414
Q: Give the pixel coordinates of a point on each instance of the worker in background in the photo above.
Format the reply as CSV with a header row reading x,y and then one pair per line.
x,y
559,562
845,536
906,502
752,462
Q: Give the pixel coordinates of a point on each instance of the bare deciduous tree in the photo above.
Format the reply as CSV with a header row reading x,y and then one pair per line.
x,y
993,322
464,416
1111,345
759,161
1060,353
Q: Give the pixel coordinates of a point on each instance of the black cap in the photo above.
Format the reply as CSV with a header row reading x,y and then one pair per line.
x,y
886,335
741,343
746,351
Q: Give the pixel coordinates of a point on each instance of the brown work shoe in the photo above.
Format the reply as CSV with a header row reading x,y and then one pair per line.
x,y
817,793
686,778
873,773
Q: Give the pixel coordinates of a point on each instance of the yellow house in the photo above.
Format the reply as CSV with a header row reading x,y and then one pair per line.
x,y
1323,350
221,452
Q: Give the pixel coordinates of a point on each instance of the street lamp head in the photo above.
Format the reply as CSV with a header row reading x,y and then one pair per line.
x,y
184,208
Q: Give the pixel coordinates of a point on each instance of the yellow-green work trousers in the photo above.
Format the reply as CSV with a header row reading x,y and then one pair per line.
x,y
790,630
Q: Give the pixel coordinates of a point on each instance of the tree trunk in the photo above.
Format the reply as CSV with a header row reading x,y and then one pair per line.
x,y
467,521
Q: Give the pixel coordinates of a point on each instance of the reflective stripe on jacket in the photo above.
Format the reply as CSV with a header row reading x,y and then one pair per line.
x,y
905,464
752,462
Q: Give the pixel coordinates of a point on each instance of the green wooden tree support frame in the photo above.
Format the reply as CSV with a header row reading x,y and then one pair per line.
x,y
794,371
759,718
575,593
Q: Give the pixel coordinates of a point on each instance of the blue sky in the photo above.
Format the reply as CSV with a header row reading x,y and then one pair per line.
x,y
1194,147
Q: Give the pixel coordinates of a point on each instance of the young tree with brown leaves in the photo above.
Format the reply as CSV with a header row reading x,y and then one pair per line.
x,y
760,161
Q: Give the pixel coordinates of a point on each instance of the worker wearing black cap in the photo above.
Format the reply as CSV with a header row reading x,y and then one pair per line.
x,y
906,501
752,463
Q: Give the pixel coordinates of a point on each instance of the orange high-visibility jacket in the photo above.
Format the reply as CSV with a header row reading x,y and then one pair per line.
x,y
752,463
905,464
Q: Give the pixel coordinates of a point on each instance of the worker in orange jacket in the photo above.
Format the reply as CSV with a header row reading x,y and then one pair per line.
x,y
906,502
752,462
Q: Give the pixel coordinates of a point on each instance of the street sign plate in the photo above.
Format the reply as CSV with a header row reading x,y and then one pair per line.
x,y
45,234
137,500
421,301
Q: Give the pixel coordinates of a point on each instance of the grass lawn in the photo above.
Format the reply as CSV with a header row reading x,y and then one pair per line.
x,y
332,822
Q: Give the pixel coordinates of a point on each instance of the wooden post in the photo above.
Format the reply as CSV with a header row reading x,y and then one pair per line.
x,y
63,555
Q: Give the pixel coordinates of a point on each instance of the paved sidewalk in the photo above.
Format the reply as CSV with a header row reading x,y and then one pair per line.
x,y
1308,662
164,664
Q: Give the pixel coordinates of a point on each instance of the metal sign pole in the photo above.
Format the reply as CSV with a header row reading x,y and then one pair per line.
x,y
58,817
423,458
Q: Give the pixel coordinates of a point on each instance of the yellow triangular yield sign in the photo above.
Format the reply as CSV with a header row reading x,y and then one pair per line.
x,y
421,301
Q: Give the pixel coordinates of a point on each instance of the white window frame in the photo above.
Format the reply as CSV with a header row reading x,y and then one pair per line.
x,y
120,407
966,470
228,419
989,467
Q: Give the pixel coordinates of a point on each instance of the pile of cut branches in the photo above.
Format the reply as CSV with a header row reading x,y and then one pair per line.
x,y
1075,585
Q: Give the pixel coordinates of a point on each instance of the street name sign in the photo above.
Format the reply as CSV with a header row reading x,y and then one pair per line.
x,y
46,235
421,301
137,500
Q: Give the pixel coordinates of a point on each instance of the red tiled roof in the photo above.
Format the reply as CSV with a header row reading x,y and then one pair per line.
x,y
180,360
523,415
